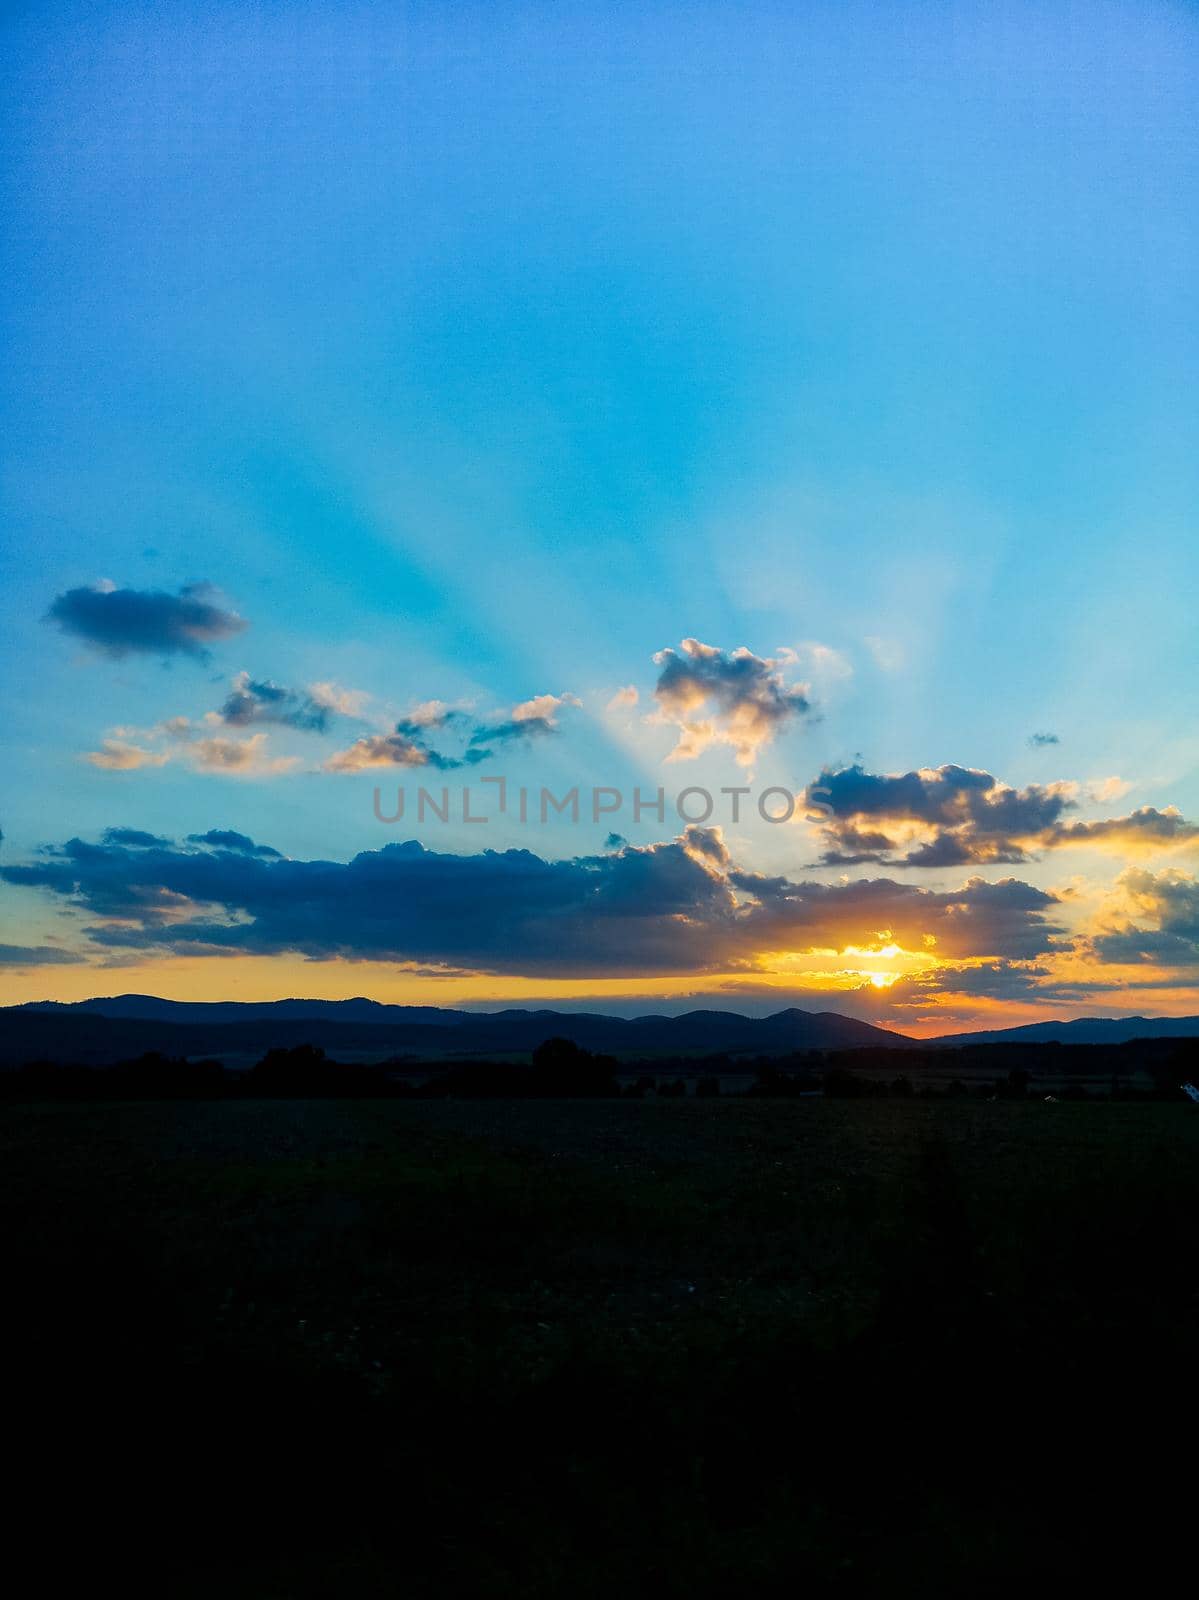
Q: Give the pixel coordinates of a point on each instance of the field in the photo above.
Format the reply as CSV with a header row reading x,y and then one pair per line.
x,y
310,1348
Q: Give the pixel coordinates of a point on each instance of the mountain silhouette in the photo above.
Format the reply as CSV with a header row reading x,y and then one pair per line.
x,y
116,1027
1082,1030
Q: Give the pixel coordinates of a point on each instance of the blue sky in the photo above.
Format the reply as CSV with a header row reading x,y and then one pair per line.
x,y
477,354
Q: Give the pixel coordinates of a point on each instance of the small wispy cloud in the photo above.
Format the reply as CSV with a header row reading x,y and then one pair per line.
x,y
528,720
259,700
410,744
245,758
889,655
199,745
116,755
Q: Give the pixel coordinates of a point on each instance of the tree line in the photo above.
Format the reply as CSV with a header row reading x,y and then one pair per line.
x,y
561,1069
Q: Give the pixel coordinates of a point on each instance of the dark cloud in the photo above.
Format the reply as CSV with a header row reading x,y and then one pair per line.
x,y
121,622
1134,946
417,725
958,816
1008,919
1039,740
253,701
40,955
857,846
945,798
399,749
676,907
993,980
718,696
1162,926
227,839
134,838
409,745
1146,826
532,719
959,849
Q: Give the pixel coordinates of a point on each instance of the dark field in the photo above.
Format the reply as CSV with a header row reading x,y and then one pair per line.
x,y
289,1348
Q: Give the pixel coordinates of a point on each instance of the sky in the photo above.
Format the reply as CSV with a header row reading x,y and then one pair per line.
x,y
796,398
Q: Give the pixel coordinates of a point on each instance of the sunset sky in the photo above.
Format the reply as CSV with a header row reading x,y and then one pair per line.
x,y
607,398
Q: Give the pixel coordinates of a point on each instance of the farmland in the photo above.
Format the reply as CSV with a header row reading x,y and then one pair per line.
x,y
545,1347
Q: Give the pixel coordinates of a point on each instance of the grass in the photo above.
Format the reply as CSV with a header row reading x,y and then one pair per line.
x,y
287,1348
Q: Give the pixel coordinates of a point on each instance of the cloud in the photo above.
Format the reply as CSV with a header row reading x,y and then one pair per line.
x,y
249,702
349,703
623,698
955,816
122,622
115,755
245,758
1103,790
39,955
1009,919
261,701
311,710
134,838
1146,827
427,715
1168,902
528,720
951,815
409,745
854,847
681,906
824,663
192,742
992,980
1040,740
222,839
715,696
385,750
954,990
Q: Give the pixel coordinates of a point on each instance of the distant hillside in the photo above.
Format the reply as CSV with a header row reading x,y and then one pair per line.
x,y
104,1030
1082,1030
148,1007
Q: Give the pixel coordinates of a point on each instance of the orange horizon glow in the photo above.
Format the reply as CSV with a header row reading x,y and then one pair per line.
x,y
873,975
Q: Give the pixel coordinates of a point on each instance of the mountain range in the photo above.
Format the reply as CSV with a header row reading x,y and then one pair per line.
x,y
116,1027
1082,1030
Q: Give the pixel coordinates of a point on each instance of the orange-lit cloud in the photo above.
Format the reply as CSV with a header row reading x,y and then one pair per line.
x,y
715,696
937,817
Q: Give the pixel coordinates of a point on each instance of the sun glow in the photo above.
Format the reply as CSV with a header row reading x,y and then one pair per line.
x,y
879,966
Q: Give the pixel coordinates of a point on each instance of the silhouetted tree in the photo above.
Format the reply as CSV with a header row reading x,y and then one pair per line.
x,y
306,1072
561,1067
